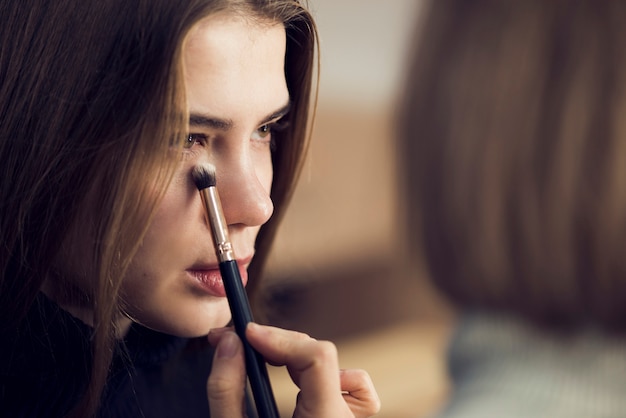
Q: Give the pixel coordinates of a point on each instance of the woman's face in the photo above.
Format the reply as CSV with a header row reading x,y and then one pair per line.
x,y
236,90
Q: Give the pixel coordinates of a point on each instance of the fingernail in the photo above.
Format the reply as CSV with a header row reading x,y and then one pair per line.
x,y
227,346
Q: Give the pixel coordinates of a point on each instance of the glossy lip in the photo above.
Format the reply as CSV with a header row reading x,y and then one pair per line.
x,y
210,280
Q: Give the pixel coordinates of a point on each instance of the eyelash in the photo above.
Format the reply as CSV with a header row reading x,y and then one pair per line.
x,y
265,130
195,138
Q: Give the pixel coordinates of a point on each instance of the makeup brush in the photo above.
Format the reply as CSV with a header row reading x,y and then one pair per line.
x,y
204,179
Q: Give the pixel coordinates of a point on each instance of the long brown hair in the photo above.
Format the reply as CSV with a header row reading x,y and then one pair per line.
x,y
513,150
92,98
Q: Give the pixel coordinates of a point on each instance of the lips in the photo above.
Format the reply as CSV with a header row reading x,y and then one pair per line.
x,y
210,279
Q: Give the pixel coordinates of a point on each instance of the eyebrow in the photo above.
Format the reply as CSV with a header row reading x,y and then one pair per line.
x,y
207,121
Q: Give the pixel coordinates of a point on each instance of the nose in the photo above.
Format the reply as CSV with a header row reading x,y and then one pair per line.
x,y
244,189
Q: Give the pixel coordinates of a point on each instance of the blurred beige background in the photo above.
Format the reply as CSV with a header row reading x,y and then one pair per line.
x,y
337,271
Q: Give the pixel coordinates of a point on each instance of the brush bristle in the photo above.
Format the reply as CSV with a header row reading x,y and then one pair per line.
x,y
204,176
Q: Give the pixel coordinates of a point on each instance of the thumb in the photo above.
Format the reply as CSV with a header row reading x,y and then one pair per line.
x,y
227,381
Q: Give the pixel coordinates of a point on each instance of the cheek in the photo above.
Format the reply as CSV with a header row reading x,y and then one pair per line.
x,y
173,208
163,250
176,202
171,219
174,215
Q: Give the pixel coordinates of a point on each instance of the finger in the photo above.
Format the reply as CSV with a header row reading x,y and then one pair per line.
x,y
359,392
312,364
296,350
226,383
216,333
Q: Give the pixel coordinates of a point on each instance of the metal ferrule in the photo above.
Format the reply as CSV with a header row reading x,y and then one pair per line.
x,y
217,223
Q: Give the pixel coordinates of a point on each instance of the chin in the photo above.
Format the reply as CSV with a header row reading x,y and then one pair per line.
x,y
199,330
186,324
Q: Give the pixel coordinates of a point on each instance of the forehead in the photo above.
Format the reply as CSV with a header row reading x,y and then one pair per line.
x,y
225,36
232,60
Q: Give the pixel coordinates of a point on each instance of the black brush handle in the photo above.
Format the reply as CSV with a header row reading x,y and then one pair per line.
x,y
255,364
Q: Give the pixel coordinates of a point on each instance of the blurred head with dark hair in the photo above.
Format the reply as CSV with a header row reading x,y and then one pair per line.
x,y
513,151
